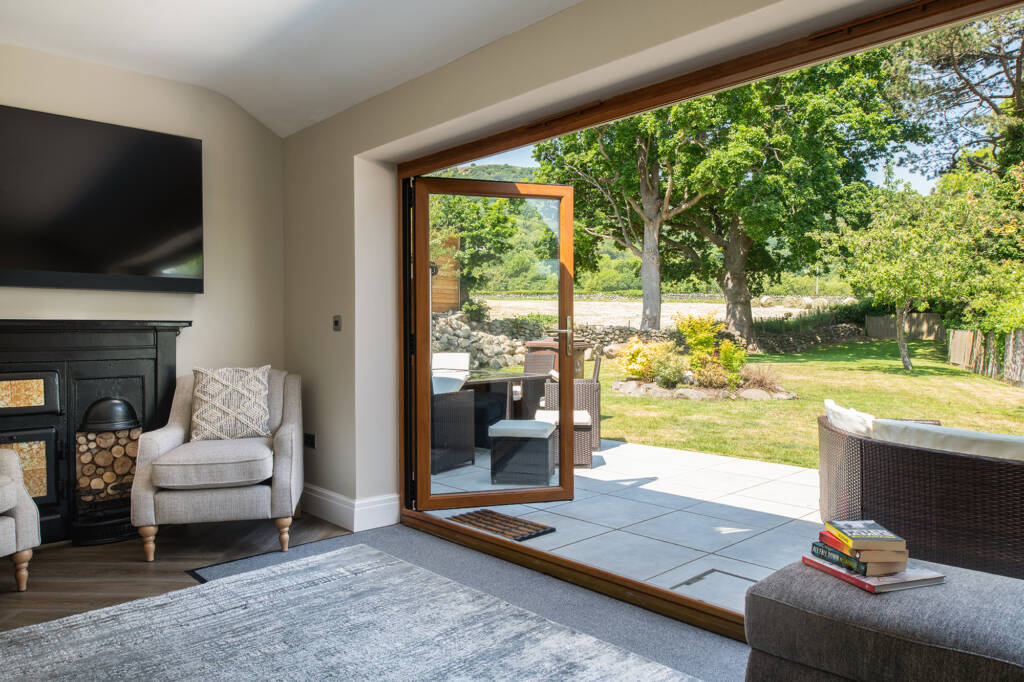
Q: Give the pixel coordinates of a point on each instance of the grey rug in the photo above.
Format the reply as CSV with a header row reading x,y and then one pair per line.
x,y
677,645
354,613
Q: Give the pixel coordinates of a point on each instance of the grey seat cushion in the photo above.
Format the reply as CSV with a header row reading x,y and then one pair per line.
x,y
8,493
968,628
215,464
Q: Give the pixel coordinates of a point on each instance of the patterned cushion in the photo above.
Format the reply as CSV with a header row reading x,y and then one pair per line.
x,y
230,403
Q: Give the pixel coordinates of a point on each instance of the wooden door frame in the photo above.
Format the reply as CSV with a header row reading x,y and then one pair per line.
x,y
870,31
423,188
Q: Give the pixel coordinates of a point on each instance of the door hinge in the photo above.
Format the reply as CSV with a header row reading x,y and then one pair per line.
x,y
412,344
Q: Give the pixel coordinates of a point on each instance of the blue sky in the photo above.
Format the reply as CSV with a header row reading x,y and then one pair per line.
x,y
523,157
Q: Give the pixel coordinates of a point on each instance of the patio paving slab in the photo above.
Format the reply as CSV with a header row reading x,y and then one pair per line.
x,y
786,493
804,477
752,467
713,579
613,512
750,510
692,530
567,530
629,555
666,494
773,548
578,494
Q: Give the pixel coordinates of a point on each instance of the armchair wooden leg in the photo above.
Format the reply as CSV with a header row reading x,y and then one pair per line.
x,y
21,560
282,531
148,534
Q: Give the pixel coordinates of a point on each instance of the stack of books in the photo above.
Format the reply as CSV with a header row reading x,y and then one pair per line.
x,y
867,555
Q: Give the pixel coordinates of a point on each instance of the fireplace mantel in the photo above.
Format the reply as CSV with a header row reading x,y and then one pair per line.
x,y
76,363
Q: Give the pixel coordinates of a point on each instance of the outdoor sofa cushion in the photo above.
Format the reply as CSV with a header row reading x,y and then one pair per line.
x,y
521,428
579,417
8,493
215,464
967,628
849,420
963,441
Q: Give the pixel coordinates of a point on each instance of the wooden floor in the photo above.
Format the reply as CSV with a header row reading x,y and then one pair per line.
x,y
65,580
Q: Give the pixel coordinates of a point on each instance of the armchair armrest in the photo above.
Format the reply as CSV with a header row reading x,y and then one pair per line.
x,y
286,486
25,511
154,444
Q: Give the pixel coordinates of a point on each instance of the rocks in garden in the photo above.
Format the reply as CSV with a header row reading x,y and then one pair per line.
x,y
753,394
689,394
614,350
630,387
802,341
643,389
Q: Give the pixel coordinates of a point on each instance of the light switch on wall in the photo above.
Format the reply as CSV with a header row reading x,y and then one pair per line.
x,y
336,323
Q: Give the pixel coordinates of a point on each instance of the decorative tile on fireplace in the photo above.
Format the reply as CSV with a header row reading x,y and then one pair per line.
x,y
29,393
35,448
22,393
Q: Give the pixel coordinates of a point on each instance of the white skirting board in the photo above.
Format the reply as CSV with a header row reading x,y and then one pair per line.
x,y
355,515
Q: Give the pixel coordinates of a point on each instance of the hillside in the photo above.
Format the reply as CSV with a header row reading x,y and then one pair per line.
x,y
489,171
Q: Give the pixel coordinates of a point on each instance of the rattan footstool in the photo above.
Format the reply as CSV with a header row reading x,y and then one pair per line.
x,y
522,451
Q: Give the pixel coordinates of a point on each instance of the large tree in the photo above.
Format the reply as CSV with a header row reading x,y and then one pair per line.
x,y
730,187
965,83
957,245
471,233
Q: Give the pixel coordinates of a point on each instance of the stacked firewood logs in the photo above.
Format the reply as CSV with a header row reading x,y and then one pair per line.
x,y
106,464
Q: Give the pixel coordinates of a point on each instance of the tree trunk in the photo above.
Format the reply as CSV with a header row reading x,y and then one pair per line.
x,y
650,277
739,318
901,337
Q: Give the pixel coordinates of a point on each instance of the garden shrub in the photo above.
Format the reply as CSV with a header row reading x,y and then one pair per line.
x,y
639,357
476,310
759,376
700,331
731,356
710,374
543,319
670,370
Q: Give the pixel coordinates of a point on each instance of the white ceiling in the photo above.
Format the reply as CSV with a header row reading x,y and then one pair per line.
x,y
290,63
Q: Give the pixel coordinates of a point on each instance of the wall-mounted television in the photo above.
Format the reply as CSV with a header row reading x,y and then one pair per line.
x,y
90,205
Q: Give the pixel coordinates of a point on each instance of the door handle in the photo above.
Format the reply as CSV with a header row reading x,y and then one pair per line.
x,y
568,334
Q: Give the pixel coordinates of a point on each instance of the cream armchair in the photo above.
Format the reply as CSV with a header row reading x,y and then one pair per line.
x,y
178,481
19,517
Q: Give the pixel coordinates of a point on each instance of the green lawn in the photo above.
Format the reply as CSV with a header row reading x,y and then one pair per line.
x,y
864,375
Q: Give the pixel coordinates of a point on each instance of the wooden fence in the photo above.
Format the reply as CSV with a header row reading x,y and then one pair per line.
x,y
926,326
979,353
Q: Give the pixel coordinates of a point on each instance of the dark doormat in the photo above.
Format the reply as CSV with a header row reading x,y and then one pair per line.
x,y
506,526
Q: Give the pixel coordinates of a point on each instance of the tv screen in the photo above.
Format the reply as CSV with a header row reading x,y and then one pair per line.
x,y
92,205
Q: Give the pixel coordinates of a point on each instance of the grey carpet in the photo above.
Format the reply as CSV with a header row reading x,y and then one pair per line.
x,y
353,613
679,646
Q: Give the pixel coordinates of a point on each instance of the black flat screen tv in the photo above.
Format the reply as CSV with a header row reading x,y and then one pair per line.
x,y
90,205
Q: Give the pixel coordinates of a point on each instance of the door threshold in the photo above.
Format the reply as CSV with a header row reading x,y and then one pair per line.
x,y
671,604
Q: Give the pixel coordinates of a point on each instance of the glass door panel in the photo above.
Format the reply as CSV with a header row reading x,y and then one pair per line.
x,y
489,399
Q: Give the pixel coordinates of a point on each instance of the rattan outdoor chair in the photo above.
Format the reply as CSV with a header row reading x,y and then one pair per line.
x,y
952,508
586,396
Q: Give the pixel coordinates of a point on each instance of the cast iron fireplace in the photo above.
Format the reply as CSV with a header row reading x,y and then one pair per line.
x,y
74,397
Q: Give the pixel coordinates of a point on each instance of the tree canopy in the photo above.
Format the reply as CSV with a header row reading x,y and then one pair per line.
x,y
731,186
964,83
958,244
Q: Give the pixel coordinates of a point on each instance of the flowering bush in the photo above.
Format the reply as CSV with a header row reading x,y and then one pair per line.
x,y
639,357
700,331
670,370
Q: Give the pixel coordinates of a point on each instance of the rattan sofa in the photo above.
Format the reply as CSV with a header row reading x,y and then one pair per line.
x,y
963,510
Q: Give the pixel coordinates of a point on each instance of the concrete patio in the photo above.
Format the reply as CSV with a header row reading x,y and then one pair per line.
x,y
703,525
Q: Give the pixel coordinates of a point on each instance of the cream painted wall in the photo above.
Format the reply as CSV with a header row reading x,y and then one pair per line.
x,y
340,206
239,320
